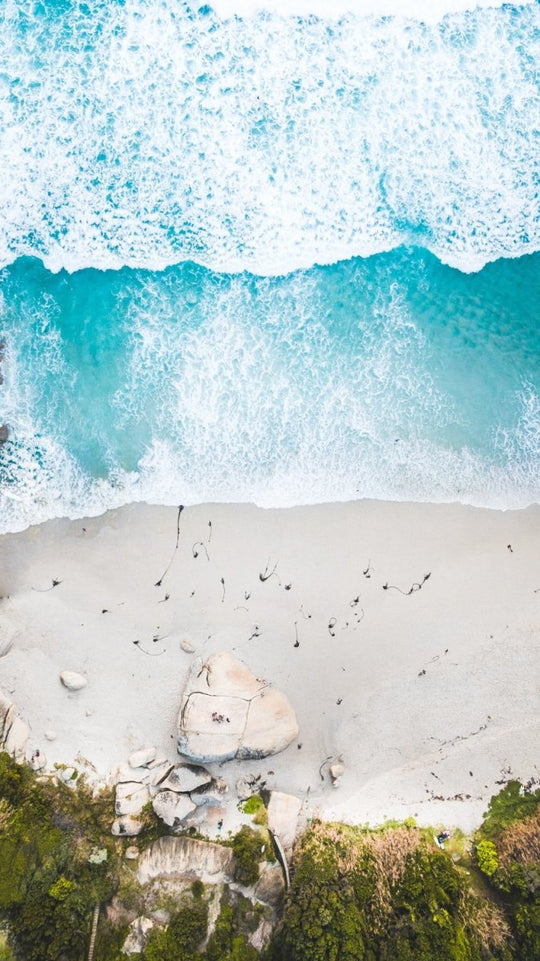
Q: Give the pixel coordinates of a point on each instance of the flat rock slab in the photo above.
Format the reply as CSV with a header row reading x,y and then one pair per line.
x,y
173,857
227,712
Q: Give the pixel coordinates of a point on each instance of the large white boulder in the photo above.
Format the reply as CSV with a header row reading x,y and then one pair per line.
x,y
227,712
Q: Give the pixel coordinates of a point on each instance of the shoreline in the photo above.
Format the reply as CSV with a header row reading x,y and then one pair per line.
x,y
424,685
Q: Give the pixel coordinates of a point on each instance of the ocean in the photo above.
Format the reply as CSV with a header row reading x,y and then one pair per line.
x,y
281,254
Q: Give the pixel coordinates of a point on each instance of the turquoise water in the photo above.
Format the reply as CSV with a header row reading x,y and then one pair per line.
x,y
277,259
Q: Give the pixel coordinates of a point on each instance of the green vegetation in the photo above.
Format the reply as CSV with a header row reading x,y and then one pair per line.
x,y
509,840
389,895
357,894
180,940
247,846
49,880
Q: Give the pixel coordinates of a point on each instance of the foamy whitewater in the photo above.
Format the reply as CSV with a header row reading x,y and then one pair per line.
x,y
268,253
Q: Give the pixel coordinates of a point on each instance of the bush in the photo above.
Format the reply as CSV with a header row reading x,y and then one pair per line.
x,y
486,856
247,852
182,936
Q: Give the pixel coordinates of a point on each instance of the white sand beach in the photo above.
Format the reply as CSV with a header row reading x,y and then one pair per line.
x,y
426,685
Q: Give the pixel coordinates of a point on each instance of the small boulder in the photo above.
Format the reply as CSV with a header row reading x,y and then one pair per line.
x,y
4,433
73,681
187,646
131,853
51,735
336,771
172,808
126,827
185,778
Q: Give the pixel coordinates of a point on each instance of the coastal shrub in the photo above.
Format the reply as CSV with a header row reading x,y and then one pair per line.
x,y
486,856
385,895
247,846
512,827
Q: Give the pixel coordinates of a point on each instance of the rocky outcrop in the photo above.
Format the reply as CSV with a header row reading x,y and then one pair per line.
x,y
187,857
227,712
14,732
176,790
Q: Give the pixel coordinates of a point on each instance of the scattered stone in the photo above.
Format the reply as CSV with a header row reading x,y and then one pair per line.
x,y
211,863
185,778
187,646
283,811
73,681
143,757
131,853
227,712
68,774
51,735
126,827
139,930
172,808
336,771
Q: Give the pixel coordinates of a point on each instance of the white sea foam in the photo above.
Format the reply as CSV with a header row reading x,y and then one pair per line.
x,y
429,11
145,134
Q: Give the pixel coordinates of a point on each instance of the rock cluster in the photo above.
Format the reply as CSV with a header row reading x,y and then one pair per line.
x,y
227,712
175,790
14,732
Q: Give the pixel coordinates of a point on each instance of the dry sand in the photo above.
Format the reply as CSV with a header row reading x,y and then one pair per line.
x,y
427,688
